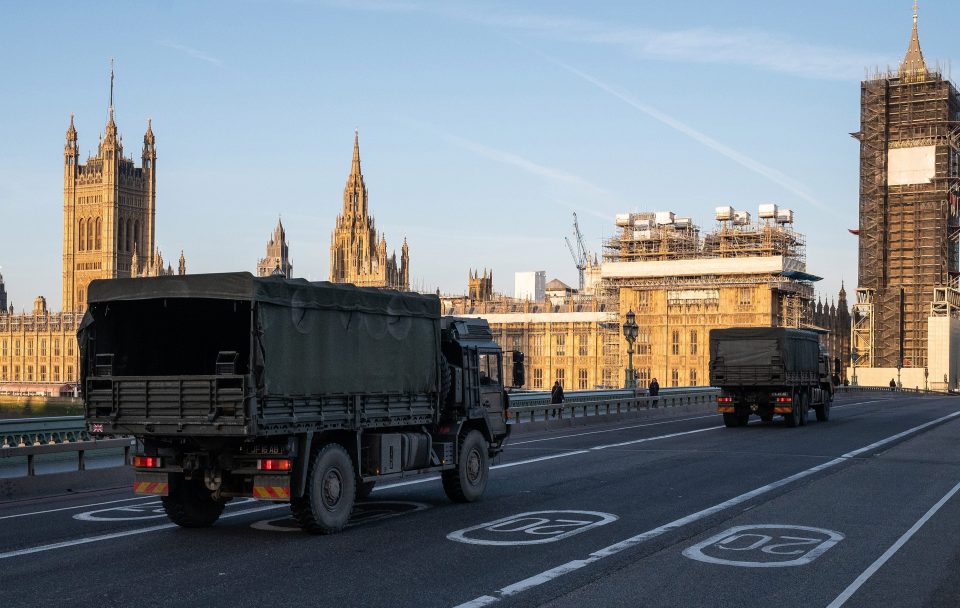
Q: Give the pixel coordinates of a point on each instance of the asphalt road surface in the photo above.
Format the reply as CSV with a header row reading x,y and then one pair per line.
x,y
859,511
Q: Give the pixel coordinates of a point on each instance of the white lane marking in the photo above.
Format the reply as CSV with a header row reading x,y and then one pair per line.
x,y
855,585
833,407
770,546
94,504
619,428
646,439
563,569
112,535
532,528
518,463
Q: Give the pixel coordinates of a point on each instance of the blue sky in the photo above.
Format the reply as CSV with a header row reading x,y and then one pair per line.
x,y
483,126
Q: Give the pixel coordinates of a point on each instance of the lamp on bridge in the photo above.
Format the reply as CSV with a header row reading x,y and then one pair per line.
x,y
630,331
853,363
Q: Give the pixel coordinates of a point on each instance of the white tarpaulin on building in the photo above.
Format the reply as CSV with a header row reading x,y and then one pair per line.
x,y
911,165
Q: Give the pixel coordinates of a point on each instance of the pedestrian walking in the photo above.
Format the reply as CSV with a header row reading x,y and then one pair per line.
x,y
893,384
654,389
556,398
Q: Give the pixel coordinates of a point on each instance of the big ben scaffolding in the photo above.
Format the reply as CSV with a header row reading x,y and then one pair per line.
x,y
908,251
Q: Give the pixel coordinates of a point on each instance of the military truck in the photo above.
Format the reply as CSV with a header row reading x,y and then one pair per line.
x,y
768,371
287,390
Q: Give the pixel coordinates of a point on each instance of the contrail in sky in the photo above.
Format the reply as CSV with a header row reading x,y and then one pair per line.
x,y
753,165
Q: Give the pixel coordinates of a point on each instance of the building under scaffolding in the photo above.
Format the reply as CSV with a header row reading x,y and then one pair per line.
x,y
681,284
908,266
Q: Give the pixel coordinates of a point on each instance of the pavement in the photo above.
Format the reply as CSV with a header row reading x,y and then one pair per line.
x,y
859,511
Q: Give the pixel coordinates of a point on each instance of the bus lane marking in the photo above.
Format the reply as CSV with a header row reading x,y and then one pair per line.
x,y
532,528
764,546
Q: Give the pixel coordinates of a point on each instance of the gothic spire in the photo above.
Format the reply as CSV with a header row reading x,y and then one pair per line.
x,y
355,166
71,130
913,68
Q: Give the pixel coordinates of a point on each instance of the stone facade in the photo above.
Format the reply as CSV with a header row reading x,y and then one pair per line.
x,y
575,342
109,211
480,287
358,254
277,260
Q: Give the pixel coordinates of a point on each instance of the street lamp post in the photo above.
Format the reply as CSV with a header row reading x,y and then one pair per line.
x,y
853,363
630,331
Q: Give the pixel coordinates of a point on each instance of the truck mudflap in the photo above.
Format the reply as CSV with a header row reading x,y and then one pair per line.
x,y
151,483
271,487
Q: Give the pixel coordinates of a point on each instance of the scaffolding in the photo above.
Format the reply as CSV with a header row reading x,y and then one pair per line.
x,y
649,237
908,231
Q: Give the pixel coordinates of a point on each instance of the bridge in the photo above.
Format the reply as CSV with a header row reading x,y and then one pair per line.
x,y
619,501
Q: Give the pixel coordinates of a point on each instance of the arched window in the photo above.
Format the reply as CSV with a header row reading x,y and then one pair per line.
x,y
89,234
81,234
120,235
129,246
136,235
99,234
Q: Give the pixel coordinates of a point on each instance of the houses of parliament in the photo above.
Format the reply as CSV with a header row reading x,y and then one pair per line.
x,y
109,231
109,213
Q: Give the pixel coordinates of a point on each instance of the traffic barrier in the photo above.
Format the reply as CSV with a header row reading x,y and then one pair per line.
x,y
887,389
535,409
80,447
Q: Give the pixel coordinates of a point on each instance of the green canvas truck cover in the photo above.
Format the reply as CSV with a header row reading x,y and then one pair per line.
x,y
308,338
799,350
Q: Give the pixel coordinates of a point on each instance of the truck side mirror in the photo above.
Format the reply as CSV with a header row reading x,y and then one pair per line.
x,y
519,374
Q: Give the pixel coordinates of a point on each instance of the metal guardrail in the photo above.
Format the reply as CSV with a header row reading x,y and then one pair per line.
x,y
22,432
887,389
31,437
80,448
531,409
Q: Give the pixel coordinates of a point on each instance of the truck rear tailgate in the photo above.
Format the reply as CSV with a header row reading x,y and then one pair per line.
x,y
169,405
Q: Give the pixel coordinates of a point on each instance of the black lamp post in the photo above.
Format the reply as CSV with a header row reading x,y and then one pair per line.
x,y
853,361
630,331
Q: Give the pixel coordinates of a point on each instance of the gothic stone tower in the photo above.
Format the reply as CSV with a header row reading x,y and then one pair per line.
x,y
108,212
357,254
909,168
278,255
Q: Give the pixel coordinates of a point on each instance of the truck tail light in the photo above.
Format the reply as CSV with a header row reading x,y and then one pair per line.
x,y
273,464
724,399
147,462
784,399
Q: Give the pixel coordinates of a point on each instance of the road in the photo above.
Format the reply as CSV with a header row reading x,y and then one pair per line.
x,y
860,511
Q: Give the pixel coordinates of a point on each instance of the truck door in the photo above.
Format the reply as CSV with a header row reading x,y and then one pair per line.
x,y
491,390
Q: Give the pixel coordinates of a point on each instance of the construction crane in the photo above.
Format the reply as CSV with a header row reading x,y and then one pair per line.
x,y
579,254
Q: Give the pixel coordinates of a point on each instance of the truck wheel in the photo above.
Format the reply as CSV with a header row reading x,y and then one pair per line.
x,y
731,420
467,482
823,411
365,488
189,504
330,493
793,418
804,407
